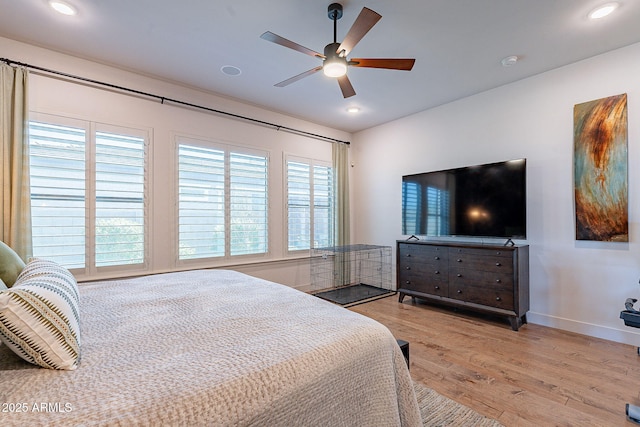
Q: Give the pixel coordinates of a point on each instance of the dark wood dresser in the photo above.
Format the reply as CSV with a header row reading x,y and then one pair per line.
x,y
487,278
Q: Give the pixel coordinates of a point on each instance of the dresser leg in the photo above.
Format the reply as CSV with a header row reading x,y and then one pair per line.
x,y
400,297
516,322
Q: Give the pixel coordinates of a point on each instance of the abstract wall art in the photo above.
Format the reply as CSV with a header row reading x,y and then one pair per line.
x,y
600,169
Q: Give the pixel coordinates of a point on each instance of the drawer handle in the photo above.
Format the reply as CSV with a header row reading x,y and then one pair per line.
x,y
437,272
408,268
459,260
408,255
498,264
437,287
498,299
498,281
459,275
437,257
459,291
408,282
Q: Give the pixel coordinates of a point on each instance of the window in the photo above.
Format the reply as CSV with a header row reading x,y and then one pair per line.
x,y
119,202
201,201
58,187
87,193
310,205
222,201
323,203
248,204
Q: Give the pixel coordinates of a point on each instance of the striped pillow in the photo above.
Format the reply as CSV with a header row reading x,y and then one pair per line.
x,y
39,318
3,287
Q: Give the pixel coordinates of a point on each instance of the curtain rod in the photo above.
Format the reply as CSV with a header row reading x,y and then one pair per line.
x,y
164,99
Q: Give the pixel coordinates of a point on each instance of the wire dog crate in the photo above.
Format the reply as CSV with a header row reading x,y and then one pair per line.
x,y
351,273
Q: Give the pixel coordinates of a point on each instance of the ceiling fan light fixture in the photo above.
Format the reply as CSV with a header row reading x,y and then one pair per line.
x,y
334,68
334,64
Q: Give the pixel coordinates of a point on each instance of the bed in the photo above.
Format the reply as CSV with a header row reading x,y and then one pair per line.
x,y
214,347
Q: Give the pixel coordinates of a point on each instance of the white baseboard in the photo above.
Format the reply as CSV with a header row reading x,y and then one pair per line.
x,y
627,335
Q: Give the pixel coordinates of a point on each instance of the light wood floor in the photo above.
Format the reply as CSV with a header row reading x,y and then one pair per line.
x,y
538,376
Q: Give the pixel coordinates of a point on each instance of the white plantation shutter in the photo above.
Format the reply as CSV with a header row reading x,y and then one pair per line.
x,y
222,201
323,207
58,182
119,212
87,193
248,204
201,202
298,205
310,205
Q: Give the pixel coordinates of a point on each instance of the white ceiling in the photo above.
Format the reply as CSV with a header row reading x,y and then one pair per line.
x,y
458,46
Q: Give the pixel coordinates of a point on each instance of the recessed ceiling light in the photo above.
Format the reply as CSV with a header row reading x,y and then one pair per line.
x,y
353,110
63,7
509,61
604,10
230,70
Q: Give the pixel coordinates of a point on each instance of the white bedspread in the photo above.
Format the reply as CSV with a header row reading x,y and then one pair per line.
x,y
214,347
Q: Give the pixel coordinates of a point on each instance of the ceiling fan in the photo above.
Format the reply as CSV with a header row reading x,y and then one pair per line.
x,y
334,60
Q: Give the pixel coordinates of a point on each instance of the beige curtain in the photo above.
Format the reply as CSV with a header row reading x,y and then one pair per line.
x,y
342,263
15,202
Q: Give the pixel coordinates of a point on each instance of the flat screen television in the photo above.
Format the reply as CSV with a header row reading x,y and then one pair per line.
x,y
487,200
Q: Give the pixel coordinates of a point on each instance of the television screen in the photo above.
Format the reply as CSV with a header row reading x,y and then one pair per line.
x,y
485,201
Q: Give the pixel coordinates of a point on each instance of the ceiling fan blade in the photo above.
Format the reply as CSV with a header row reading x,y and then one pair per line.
x,y
345,86
298,77
269,36
389,63
363,23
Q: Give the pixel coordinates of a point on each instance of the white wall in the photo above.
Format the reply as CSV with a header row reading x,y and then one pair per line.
x,y
577,286
82,101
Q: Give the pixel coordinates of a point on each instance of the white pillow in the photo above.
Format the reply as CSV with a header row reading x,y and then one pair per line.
x,y
39,317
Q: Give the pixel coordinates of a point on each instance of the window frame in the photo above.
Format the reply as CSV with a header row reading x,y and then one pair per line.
x,y
227,148
91,128
312,163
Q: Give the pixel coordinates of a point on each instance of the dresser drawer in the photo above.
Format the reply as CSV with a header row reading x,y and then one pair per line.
x,y
409,252
427,272
464,276
426,266
481,263
492,296
501,253
433,283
